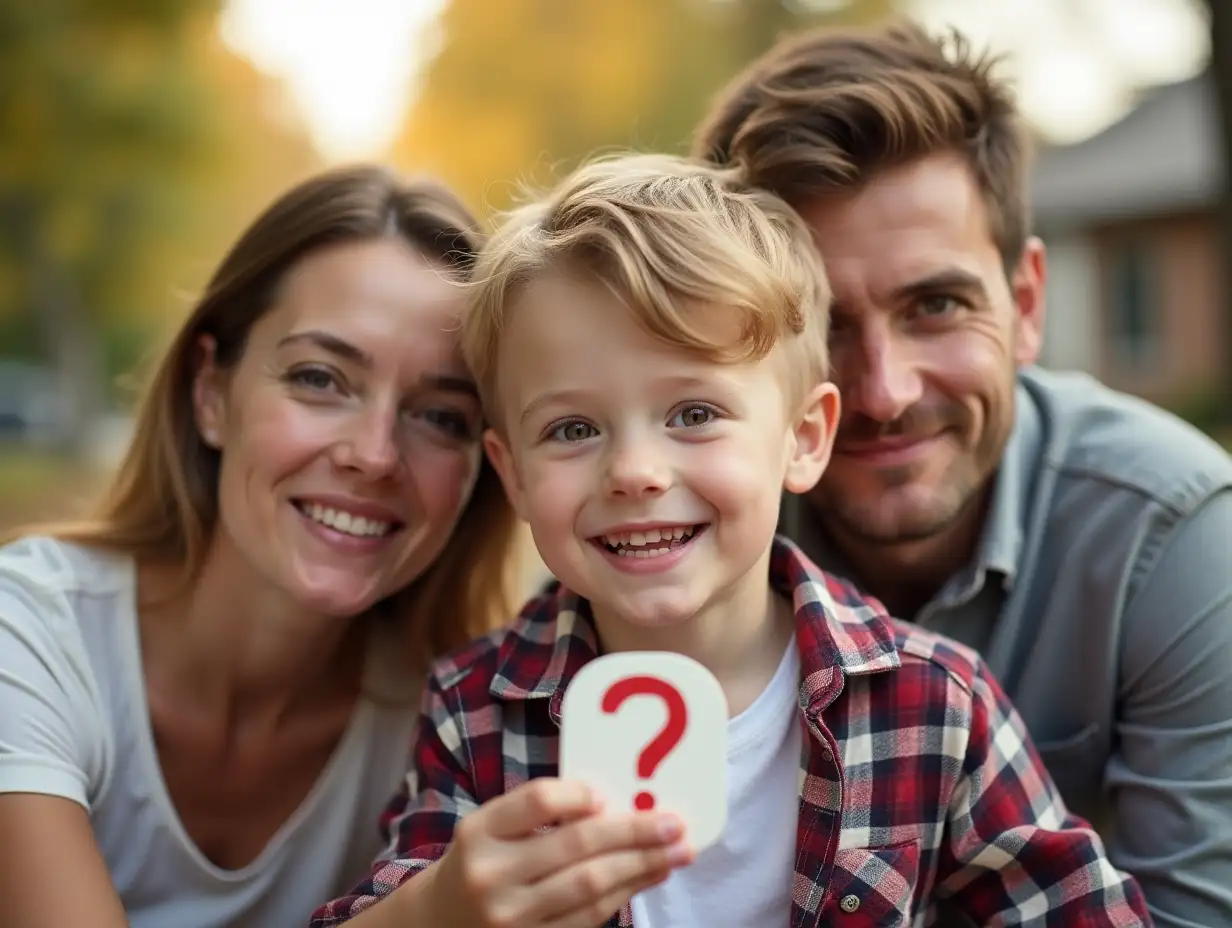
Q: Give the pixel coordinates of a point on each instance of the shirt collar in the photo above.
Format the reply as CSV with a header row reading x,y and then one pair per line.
x,y
1001,542
837,628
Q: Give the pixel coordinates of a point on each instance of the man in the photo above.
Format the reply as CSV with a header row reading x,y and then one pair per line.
x,y
1078,538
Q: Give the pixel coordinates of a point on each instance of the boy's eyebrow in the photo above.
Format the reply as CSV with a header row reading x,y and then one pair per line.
x,y
547,399
571,397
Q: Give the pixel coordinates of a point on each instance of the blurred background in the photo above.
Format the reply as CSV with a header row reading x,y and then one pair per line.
x,y
137,137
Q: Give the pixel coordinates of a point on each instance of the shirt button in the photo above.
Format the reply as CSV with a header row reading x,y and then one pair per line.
x,y
826,753
849,903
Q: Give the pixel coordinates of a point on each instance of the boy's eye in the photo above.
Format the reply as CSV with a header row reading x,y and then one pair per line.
x,y
693,416
574,431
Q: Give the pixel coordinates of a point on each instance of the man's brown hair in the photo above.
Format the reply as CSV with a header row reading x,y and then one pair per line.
x,y
823,111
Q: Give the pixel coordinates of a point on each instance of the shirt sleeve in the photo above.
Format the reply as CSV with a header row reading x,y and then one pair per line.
x,y
52,727
1013,855
1171,769
419,821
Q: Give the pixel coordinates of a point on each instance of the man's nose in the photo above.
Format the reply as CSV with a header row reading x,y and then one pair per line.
x,y
880,374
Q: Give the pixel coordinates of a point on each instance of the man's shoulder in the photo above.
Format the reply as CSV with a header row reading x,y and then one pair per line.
x,y
1094,433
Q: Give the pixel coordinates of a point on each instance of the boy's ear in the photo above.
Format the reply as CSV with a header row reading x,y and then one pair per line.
x,y
501,459
813,435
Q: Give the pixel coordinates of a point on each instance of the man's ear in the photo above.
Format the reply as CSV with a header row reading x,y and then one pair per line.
x,y
813,438
501,459
209,394
1027,285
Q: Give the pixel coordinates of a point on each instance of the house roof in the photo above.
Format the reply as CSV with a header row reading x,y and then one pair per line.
x,y
1163,156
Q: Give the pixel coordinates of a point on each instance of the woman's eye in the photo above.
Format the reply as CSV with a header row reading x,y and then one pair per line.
x,y
693,416
451,421
314,378
574,431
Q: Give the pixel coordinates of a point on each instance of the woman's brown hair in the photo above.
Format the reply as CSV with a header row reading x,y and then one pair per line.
x,y
162,503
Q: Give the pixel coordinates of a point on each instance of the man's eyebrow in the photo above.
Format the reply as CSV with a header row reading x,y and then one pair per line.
x,y
949,279
331,343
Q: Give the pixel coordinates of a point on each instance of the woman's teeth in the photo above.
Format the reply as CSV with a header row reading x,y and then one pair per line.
x,y
345,522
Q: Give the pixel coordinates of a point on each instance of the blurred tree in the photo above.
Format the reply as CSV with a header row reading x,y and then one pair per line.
x,y
124,129
523,89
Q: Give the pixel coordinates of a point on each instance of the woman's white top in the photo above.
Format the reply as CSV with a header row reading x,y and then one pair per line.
x,y
74,722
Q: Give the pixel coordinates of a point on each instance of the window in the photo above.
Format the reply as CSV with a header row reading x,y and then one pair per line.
x,y
1133,310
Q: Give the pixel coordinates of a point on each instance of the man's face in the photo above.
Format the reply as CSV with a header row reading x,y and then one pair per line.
x,y
927,335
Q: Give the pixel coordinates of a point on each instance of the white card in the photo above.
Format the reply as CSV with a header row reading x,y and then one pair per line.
x,y
648,729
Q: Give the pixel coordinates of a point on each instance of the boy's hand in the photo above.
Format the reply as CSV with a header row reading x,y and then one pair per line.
x,y
501,871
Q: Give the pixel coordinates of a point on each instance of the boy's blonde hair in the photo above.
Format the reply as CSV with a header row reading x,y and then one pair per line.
x,y
671,238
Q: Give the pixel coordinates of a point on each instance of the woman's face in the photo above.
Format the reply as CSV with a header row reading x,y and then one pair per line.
x,y
348,430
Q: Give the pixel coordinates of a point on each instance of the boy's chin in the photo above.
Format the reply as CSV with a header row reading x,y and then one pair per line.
x,y
650,613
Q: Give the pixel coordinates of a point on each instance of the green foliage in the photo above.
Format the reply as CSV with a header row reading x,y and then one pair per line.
x,y
522,89
99,119
133,145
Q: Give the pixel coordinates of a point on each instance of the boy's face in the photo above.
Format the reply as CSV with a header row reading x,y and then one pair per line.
x,y
650,477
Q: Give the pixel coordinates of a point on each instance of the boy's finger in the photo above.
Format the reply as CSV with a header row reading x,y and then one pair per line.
x,y
590,883
597,836
532,805
588,886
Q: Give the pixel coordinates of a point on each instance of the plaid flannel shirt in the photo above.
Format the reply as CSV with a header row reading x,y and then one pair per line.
x,y
920,794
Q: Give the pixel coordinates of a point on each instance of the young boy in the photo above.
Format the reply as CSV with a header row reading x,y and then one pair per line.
x,y
650,343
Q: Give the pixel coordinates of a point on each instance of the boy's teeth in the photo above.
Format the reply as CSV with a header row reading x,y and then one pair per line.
x,y
643,541
345,522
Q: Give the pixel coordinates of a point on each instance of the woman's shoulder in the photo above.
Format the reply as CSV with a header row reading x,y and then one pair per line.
x,y
58,640
40,561
68,602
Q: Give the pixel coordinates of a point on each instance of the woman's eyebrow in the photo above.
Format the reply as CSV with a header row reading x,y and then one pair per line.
x,y
449,383
331,343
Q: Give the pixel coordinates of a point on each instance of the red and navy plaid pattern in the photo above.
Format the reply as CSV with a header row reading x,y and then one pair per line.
x,y
920,795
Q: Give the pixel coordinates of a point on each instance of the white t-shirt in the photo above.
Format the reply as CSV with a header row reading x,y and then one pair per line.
x,y
74,722
744,880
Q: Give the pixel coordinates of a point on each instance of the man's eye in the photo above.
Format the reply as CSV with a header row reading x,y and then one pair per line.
x,y
574,431
693,416
935,306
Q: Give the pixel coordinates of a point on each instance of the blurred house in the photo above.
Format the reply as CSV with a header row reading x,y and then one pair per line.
x,y
1129,220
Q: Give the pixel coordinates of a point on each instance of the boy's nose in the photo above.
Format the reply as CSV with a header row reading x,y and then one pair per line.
x,y
636,471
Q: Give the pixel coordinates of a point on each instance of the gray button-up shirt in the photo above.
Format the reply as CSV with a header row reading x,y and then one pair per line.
x,y
1101,597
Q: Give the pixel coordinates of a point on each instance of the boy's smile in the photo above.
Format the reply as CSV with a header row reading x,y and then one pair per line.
x,y
650,475
649,548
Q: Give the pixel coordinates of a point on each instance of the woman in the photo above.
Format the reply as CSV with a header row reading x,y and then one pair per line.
x,y
207,692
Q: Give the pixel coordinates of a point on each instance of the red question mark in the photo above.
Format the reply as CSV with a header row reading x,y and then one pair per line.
x,y
677,719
